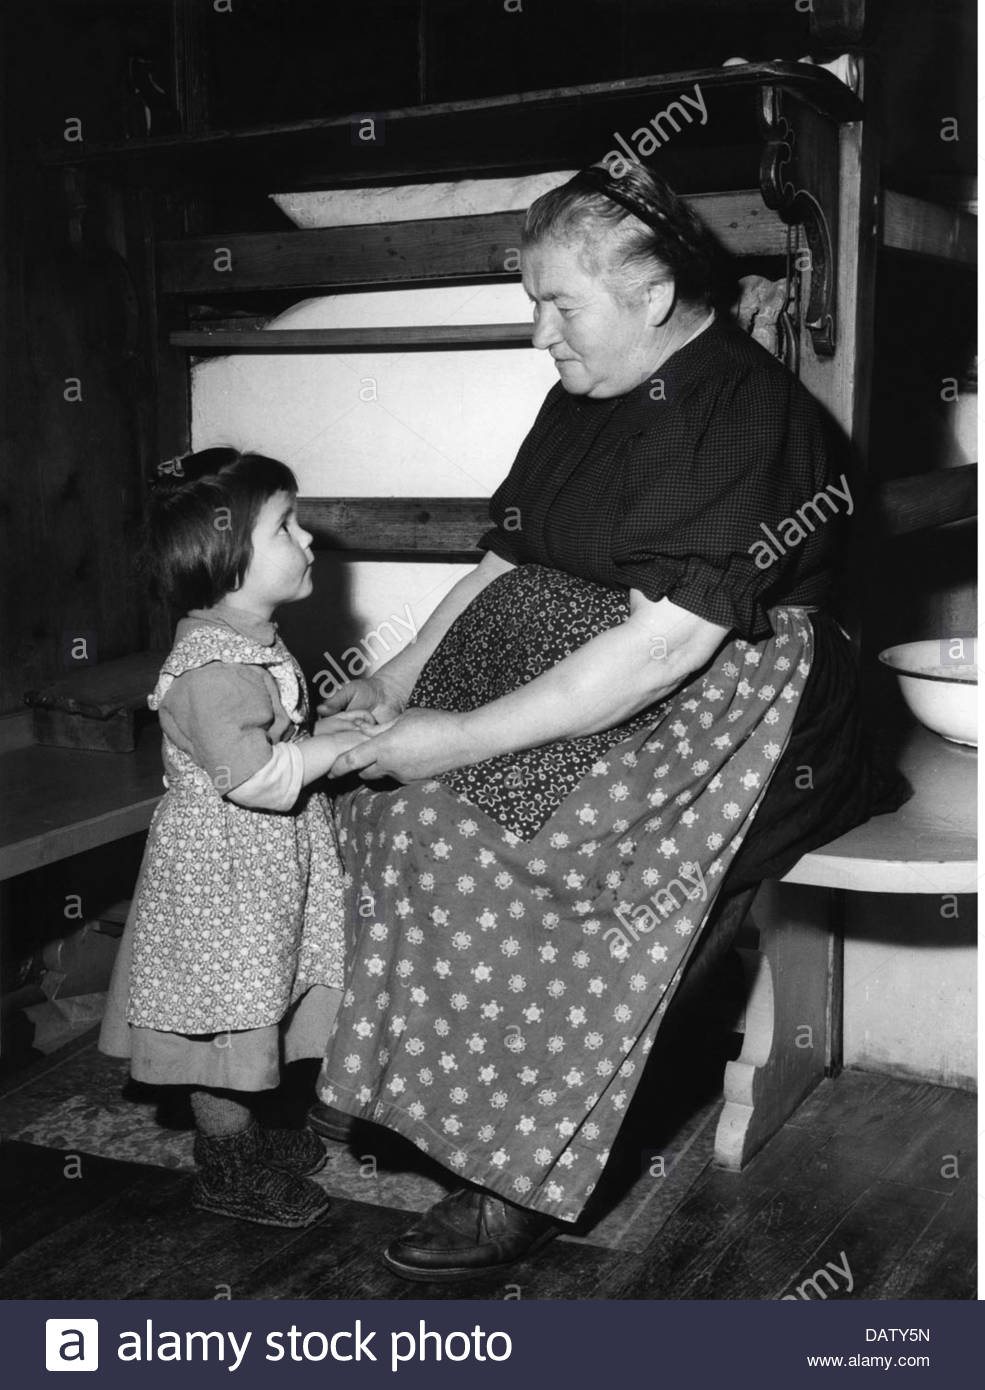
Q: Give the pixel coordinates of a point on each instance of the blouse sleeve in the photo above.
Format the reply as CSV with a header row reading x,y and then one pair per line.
x,y
754,453
500,543
222,715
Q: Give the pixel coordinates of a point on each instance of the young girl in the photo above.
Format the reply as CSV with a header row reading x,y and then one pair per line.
x,y
233,954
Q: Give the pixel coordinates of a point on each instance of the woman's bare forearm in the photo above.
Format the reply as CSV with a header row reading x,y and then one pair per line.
x,y
402,670
604,683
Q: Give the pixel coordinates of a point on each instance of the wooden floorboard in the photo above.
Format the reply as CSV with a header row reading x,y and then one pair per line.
x,y
221,1265
872,1180
942,1154
562,1270
771,1244
942,1263
117,1248
681,1259
874,1239
889,1124
29,1176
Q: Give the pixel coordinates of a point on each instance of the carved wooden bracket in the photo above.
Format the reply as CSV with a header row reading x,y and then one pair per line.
x,y
798,178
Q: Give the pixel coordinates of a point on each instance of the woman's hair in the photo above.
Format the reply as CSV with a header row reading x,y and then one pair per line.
x,y
198,533
652,236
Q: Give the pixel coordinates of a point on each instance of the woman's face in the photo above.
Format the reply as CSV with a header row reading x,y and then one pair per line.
x,y
600,345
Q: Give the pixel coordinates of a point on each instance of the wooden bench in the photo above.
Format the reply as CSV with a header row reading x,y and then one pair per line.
x,y
791,946
58,801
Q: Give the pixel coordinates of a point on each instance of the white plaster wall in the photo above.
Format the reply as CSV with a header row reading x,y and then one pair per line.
x,y
382,424
396,424
910,986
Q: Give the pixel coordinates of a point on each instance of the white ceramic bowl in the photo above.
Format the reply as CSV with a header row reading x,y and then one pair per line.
x,y
938,679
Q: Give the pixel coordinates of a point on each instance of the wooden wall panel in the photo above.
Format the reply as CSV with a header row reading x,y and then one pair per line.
x,y
439,527
71,426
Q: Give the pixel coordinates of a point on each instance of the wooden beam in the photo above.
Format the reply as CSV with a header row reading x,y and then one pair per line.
x,y
435,336
463,127
444,526
438,527
912,504
928,229
444,248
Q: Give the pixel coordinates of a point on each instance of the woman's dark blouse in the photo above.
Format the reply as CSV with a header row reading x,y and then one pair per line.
x,y
667,489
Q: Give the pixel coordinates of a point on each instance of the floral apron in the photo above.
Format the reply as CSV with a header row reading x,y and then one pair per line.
x,y
521,925
238,911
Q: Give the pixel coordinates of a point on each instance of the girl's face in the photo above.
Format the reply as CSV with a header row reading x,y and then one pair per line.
x,y
280,570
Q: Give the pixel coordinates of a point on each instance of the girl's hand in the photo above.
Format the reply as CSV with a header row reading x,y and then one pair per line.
x,y
421,743
371,694
320,752
345,723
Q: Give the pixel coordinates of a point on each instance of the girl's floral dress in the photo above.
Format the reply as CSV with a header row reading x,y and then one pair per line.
x,y
238,911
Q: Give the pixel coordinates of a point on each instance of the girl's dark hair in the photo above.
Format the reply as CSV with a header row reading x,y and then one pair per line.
x,y
660,237
198,535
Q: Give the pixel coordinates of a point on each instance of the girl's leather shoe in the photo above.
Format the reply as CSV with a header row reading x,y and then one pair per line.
x,y
468,1232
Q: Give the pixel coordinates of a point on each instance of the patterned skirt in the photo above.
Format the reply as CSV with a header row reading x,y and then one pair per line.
x,y
519,927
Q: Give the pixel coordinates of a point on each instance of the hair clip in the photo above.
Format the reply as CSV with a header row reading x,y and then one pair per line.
x,y
173,466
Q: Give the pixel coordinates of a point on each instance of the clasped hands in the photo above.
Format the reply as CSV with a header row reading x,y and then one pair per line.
x,y
389,740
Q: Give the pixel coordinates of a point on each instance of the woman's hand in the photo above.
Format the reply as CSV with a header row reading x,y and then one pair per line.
x,y
371,694
421,743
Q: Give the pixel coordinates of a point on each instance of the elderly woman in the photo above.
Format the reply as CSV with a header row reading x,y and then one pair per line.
x,y
625,706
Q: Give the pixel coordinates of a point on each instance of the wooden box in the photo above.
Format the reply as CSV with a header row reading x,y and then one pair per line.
x,y
97,707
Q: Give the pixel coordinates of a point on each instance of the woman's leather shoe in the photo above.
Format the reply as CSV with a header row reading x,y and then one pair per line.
x,y
329,1123
468,1232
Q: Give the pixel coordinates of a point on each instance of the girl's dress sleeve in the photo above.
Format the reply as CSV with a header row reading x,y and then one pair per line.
x,y
277,785
225,717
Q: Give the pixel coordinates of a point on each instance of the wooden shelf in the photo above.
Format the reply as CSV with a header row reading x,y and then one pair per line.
x,y
433,336
438,527
930,845
58,802
509,131
928,229
448,248
905,505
